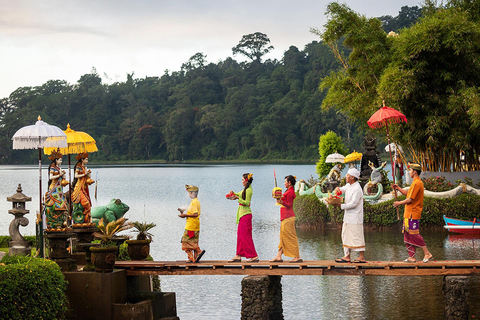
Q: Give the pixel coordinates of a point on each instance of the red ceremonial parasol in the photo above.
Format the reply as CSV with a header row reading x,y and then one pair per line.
x,y
382,118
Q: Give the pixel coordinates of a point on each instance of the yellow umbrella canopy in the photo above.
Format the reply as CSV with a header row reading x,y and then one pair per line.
x,y
354,156
77,142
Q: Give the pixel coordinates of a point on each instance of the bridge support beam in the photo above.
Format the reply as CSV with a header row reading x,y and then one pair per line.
x,y
262,298
456,292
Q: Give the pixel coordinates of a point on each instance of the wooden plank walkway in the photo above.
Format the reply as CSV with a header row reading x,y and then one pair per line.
x,y
308,267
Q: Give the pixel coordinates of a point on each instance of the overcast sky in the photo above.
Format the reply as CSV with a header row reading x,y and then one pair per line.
x,y
64,39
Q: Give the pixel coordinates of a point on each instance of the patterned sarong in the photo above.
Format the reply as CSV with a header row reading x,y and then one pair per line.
x,y
190,244
288,238
411,236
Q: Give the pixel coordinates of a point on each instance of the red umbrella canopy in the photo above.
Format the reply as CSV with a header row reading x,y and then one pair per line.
x,y
385,116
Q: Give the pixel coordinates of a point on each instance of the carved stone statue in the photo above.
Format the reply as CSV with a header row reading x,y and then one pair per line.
x,y
370,155
19,245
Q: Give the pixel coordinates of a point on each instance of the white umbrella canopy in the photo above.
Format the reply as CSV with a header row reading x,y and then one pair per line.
x,y
393,148
38,136
335,157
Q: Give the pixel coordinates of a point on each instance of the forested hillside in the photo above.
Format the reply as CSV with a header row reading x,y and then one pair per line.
x,y
206,111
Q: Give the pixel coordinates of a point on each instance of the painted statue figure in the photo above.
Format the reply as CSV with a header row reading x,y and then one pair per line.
x,y
113,211
333,179
375,180
335,173
56,209
82,204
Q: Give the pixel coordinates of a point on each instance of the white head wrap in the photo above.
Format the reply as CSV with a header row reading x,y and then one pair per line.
x,y
354,172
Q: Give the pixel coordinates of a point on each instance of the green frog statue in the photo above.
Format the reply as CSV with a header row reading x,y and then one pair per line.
x,y
56,209
81,202
113,211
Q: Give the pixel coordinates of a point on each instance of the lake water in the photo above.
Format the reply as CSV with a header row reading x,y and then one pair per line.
x,y
155,192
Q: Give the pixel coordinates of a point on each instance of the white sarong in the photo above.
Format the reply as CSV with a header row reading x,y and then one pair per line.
x,y
352,237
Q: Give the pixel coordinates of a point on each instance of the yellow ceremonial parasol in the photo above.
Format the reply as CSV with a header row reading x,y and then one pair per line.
x,y
77,142
354,156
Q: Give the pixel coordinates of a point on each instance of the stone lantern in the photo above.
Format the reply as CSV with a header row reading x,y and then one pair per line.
x,y
18,245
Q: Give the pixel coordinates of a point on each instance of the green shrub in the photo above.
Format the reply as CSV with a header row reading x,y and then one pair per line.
x,y
5,239
309,210
31,288
438,184
123,252
384,214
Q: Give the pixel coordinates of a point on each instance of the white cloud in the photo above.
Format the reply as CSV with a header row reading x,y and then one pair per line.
x,y
53,39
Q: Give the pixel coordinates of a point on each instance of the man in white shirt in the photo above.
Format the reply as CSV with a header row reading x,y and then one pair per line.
x,y
352,229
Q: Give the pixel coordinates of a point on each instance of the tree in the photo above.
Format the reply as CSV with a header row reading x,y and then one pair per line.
x,y
253,46
435,78
406,17
328,143
429,71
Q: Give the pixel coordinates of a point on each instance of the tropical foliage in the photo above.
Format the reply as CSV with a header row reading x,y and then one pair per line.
x,y
111,230
259,109
430,71
329,143
142,229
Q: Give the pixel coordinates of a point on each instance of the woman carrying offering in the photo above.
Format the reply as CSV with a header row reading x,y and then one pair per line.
x,y
245,246
288,234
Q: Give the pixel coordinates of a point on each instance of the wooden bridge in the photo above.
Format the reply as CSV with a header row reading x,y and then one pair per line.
x,y
308,267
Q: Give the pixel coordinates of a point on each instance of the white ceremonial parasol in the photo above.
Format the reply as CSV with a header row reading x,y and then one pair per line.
x,y
38,136
334,158
393,147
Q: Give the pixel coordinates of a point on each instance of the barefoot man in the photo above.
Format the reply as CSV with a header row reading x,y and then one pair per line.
x,y
352,229
413,211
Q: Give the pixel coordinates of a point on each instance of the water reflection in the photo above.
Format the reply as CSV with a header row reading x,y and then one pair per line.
x,y
154,193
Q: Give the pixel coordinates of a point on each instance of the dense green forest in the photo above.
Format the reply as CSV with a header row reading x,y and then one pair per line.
x,y
262,110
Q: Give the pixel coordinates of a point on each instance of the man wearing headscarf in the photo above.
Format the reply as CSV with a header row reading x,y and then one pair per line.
x,y
352,229
192,227
413,212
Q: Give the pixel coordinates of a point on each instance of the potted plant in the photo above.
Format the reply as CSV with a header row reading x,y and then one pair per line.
x,y
140,249
103,257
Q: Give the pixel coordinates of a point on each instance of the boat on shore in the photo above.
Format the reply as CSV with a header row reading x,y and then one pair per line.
x,y
462,226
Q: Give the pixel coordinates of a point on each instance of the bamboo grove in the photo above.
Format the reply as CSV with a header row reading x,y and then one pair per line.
x,y
430,71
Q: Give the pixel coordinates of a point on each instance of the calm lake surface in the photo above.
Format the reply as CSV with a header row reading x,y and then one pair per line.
x,y
155,192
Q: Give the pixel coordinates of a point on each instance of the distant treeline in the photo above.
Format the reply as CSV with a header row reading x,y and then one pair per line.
x,y
257,109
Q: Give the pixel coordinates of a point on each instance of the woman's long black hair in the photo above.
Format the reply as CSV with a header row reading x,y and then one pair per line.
x,y
54,162
249,182
291,179
75,170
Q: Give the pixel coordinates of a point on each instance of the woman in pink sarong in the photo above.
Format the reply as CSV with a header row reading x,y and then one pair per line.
x,y
245,246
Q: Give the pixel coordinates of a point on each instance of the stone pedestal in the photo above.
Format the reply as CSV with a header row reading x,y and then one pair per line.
x,y
92,294
262,297
58,244
19,248
83,235
456,292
